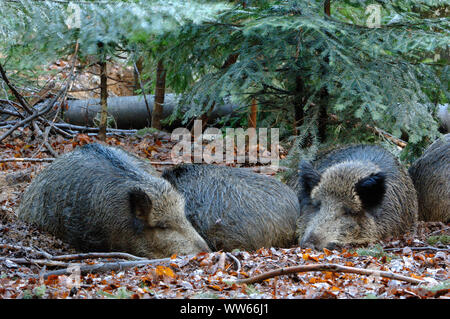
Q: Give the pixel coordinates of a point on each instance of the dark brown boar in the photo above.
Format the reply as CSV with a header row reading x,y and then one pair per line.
x,y
355,195
101,198
431,177
233,208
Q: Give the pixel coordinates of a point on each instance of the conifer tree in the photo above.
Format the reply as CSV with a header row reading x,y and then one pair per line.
x,y
372,58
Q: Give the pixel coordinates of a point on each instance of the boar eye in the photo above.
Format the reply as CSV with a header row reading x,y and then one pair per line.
x,y
316,203
348,211
161,225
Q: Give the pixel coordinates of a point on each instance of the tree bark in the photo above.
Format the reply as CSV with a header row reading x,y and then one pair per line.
x,y
137,74
323,94
327,7
299,113
103,101
159,95
253,114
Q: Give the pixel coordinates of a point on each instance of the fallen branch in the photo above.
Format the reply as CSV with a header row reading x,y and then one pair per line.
x,y
109,266
161,163
59,261
37,113
236,261
26,159
91,255
397,141
90,129
47,144
390,137
12,113
27,249
97,255
39,262
18,96
327,267
417,248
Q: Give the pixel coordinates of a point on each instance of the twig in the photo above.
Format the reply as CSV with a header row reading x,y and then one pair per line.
x,y
236,261
28,249
37,113
142,91
59,130
111,266
14,105
161,163
439,230
390,137
417,248
47,144
97,255
326,267
80,256
26,159
18,96
11,113
39,262
221,262
90,129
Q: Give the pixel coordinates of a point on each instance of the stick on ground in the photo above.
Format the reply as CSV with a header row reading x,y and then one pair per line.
x,y
109,266
327,267
26,159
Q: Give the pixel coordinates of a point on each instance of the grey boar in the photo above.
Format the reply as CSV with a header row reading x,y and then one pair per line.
x,y
99,198
431,176
233,208
356,195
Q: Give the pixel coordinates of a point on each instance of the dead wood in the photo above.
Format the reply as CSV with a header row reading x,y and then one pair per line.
x,y
26,159
27,249
110,266
38,262
18,96
36,113
93,255
326,267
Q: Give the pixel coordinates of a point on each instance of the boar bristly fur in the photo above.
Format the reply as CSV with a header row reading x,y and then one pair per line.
x,y
354,195
101,198
233,208
431,176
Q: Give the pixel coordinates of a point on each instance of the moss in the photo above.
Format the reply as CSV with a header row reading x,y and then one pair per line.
x,y
439,239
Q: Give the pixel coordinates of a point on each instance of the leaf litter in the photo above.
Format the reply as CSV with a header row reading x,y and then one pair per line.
x,y
423,255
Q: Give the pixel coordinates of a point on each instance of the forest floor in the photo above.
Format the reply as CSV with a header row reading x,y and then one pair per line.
x,y
29,257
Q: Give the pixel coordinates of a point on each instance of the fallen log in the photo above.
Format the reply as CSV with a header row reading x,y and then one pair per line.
x,y
131,111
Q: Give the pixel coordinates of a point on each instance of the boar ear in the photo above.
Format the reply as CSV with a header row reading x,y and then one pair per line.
x,y
371,189
308,178
140,204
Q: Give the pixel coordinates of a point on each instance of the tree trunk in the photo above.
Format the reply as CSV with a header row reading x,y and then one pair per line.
x,y
103,101
323,115
252,124
323,94
159,95
327,7
253,114
137,74
299,113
